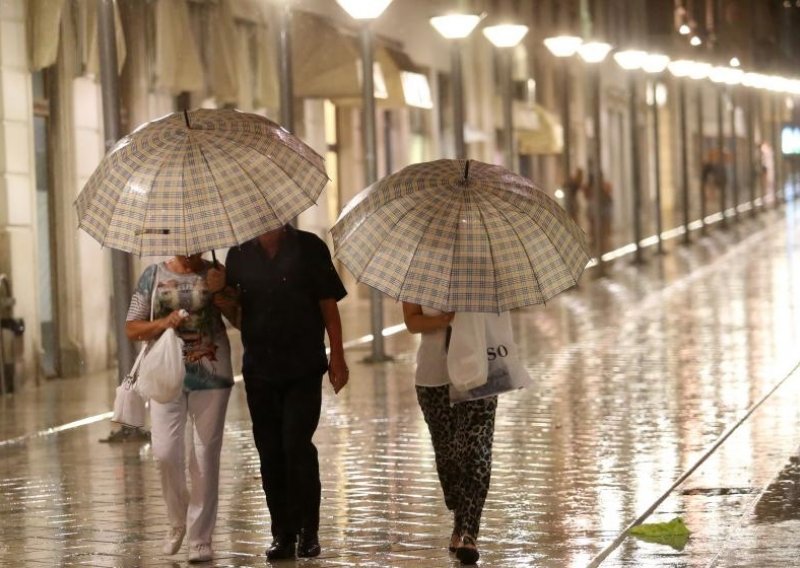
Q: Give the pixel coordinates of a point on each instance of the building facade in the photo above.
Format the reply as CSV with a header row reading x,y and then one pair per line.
x,y
176,54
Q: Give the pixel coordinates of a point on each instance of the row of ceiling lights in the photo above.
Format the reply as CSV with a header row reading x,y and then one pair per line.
x,y
460,26
633,59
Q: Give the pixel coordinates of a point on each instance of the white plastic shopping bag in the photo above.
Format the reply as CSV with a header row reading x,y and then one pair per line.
x,y
466,360
505,370
161,371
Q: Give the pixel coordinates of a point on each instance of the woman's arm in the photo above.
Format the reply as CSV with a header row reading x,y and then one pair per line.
x,y
143,330
417,322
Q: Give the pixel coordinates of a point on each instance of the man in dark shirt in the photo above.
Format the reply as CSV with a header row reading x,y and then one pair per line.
x,y
281,290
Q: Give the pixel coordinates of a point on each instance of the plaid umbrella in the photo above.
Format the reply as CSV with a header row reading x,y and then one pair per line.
x,y
460,236
197,181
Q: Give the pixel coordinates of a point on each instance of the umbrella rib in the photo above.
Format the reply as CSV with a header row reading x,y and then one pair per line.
x,y
574,280
453,264
272,160
219,193
183,203
530,260
276,164
222,134
149,193
385,236
247,173
416,248
491,253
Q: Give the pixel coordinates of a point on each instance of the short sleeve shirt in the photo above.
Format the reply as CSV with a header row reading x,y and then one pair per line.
x,y
283,331
203,333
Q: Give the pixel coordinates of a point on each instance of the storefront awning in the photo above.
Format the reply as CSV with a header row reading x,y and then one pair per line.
x,y
327,65
44,32
537,130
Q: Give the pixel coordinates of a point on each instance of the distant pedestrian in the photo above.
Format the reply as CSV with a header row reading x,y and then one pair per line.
x,y
572,188
462,434
601,237
282,293
180,284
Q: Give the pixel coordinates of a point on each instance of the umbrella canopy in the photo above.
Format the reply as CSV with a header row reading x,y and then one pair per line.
x,y
196,181
460,236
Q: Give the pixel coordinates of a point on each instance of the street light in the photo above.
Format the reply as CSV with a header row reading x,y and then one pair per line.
x,y
632,60
457,27
595,52
681,69
366,11
505,37
562,47
655,64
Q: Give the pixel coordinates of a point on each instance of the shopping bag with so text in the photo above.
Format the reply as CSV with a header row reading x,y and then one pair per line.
x,y
505,371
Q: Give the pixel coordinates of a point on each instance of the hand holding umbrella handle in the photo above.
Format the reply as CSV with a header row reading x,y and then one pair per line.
x,y
216,279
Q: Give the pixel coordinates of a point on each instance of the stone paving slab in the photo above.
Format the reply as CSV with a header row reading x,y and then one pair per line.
x,y
637,374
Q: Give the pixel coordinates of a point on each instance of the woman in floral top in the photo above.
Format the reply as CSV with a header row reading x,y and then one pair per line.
x,y
175,285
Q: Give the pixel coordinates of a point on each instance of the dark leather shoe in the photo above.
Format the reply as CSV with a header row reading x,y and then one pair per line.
x,y
281,549
308,545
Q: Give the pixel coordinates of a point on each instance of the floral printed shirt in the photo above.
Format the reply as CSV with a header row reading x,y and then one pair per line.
x,y
206,350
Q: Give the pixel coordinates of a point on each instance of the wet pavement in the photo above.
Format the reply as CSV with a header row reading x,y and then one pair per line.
x,y
638,375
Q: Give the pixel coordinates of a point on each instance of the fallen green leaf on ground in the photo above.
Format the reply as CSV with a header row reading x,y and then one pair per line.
x,y
673,533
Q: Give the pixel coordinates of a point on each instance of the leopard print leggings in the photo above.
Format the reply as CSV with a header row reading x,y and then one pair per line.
x,y
462,438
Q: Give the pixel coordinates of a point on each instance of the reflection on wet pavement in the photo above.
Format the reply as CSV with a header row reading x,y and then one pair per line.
x,y
638,374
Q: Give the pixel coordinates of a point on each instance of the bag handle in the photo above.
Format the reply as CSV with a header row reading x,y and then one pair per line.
x,y
132,373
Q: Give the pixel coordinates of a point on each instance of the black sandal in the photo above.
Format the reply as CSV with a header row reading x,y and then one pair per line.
x,y
467,554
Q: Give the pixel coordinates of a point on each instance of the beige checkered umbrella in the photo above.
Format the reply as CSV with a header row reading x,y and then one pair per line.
x,y
196,181
460,236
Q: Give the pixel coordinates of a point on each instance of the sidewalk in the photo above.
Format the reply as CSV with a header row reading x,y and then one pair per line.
x,y
638,374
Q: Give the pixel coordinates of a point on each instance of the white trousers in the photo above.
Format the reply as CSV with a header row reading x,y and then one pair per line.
x,y
206,410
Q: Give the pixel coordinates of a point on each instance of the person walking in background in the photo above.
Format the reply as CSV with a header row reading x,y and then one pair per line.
x,y
606,205
281,289
172,286
462,434
572,188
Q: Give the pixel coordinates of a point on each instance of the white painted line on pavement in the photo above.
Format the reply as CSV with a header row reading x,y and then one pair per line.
x,y
56,429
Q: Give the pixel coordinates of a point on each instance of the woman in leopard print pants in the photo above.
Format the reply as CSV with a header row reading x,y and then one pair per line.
x,y
462,434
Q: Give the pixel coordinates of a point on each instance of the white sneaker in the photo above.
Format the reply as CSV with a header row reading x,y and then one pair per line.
x,y
173,540
200,553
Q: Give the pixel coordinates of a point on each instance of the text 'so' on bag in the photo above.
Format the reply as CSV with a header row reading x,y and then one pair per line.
x,y
506,372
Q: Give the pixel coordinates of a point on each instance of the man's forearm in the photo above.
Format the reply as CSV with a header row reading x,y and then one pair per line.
x,y
227,301
333,326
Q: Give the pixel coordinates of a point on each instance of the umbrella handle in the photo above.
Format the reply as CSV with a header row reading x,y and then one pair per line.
x,y
214,258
